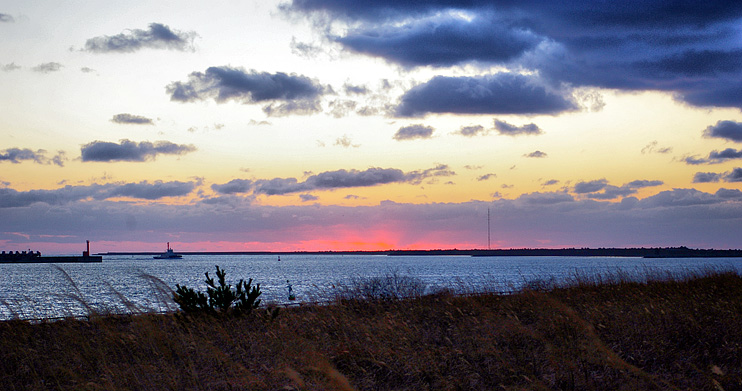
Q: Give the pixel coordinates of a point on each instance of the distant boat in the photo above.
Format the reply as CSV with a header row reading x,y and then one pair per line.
x,y
169,254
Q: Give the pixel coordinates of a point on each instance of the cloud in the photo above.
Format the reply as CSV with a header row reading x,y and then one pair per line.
x,y
550,182
5,18
125,118
729,193
10,198
538,198
131,151
692,52
734,176
308,197
729,130
47,67
706,177
486,177
715,157
413,132
330,180
507,129
297,94
442,40
157,36
601,190
351,89
234,186
16,155
654,148
472,130
150,191
10,67
536,154
502,93
345,142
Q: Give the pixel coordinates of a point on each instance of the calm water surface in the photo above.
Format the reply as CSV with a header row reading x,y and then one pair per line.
x,y
120,282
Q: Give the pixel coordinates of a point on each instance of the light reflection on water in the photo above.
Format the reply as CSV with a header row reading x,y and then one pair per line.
x,y
44,290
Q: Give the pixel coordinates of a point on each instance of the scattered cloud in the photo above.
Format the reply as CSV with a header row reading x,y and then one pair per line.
x,y
550,182
507,129
734,176
131,151
234,186
413,132
10,198
10,67
17,155
345,142
132,119
728,130
156,36
502,93
715,157
601,190
87,70
706,177
351,89
536,154
47,67
308,197
5,18
486,177
331,180
654,147
297,94
472,130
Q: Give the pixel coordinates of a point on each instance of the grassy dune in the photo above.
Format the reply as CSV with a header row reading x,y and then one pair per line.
x,y
673,334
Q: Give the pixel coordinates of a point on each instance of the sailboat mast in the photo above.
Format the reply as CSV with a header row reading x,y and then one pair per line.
x,y
488,229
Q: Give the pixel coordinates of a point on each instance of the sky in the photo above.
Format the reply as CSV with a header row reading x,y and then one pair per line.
x,y
313,125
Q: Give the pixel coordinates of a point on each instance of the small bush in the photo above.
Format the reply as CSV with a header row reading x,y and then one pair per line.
x,y
220,297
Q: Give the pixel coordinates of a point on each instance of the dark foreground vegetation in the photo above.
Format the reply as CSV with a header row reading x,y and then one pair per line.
x,y
678,333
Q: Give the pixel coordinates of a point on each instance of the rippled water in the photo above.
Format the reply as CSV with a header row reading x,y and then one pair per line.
x,y
119,282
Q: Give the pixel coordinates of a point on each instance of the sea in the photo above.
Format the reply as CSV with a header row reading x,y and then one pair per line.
x,y
139,283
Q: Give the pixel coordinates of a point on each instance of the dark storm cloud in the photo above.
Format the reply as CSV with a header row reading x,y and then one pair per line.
x,y
297,93
507,129
10,198
157,36
442,41
47,67
131,151
502,93
125,118
414,132
5,18
706,177
693,50
729,130
234,186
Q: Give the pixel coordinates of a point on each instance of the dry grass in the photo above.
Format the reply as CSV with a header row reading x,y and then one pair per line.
x,y
678,333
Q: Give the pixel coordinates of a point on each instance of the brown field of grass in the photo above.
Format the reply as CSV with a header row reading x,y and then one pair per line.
x,y
668,334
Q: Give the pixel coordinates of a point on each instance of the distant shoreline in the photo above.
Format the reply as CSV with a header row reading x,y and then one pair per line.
x,y
653,252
